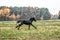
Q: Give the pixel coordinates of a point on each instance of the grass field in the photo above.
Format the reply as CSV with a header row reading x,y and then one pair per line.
x,y
46,30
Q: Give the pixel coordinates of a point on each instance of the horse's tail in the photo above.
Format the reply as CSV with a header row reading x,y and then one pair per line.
x,y
18,21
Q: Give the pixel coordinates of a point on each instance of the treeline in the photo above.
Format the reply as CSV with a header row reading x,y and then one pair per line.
x,y
15,13
27,12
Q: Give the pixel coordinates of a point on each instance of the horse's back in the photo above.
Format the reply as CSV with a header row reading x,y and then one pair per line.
x,y
22,20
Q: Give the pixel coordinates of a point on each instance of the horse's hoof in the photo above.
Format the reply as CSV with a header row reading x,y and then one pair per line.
x,y
35,28
16,26
28,29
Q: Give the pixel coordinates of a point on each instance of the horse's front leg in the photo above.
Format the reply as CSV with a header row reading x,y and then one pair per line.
x,y
29,27
33,26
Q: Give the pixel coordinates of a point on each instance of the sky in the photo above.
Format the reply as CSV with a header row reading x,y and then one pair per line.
x,y
52,5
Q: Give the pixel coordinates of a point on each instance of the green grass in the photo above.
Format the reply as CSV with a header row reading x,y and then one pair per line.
x,y
46,30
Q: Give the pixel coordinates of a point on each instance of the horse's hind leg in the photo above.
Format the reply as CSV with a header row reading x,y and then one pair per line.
x,y
33,26
16,26
19,25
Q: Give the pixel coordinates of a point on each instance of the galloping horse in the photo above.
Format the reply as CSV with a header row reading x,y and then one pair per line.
x,y
26,22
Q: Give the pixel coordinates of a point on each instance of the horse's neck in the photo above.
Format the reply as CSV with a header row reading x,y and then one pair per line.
x,y
31,20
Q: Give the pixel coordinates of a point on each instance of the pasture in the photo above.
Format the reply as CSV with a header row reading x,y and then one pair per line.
x,y
46,30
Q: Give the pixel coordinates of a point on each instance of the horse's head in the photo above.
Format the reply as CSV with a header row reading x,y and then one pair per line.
x,y
33,19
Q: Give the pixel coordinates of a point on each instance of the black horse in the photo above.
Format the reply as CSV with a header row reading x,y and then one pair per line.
x,y
26,22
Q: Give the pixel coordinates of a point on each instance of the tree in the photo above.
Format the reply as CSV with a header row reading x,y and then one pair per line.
x,y
24,13
46,15
4,12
